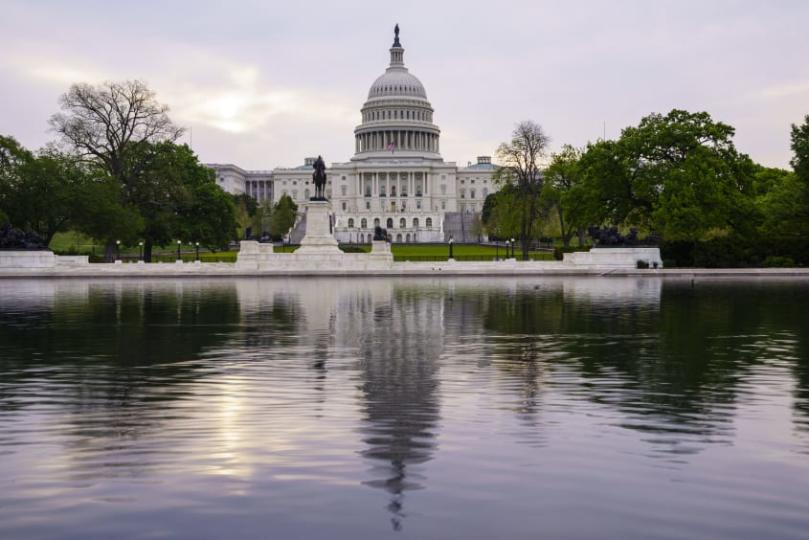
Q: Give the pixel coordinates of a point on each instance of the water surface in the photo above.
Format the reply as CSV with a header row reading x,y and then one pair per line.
x,y
423,408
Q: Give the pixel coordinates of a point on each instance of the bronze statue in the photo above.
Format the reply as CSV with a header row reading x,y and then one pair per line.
x,y
319,179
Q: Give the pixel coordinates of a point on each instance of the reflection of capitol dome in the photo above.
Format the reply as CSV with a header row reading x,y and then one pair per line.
x,y
397,116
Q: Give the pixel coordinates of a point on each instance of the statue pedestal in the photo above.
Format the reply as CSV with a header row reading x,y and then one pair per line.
x,y
318,238
380,247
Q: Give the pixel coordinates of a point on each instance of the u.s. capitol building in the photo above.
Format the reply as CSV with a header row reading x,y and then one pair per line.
x,y
397,178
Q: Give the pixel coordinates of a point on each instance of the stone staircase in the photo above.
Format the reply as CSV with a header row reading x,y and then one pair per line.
x,y
460,225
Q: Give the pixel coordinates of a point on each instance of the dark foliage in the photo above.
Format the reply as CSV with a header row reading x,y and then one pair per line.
x,y
17,239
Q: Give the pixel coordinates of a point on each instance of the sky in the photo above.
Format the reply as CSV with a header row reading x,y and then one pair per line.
x,y
266,83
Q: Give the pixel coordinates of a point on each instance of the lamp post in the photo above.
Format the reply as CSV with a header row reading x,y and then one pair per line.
x,y
507,244
497,250
512,249
179,244
117,250
140,245
196,245
451,241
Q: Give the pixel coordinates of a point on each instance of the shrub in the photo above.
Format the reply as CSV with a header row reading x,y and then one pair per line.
x,y
642,265
774,261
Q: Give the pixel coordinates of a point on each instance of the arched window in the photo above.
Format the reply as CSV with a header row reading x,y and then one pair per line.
x,y
376,222
306,194
390,223
399,237
407,238
402,223
429,222
415,223
364,223
350,223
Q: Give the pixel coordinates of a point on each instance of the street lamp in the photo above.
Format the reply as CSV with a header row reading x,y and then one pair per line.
x,y
497,250
179,244
512,249
117,250
451,241
140,245
507,244
196,244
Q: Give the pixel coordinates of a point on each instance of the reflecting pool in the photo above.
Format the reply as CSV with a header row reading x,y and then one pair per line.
x,y
461,408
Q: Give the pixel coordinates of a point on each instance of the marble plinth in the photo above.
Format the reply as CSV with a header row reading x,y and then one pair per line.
x,y
318,238
615,257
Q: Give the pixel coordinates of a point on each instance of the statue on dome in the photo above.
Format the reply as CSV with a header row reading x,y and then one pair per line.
x,y
396,36
319,179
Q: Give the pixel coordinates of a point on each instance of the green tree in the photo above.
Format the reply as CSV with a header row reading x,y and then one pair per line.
x,y
111,125
565,193
503,212
101,215
283,216
209,216
246,208
520,167
38,192
679,174
262,220
785,202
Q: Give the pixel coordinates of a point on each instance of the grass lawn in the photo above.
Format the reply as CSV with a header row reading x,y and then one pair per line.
x,y
416,252
72,242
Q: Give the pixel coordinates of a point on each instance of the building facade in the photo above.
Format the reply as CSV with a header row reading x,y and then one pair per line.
x,y
396,179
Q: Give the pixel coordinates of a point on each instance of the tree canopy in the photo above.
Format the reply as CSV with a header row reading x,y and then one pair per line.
x,y
678,174
520,167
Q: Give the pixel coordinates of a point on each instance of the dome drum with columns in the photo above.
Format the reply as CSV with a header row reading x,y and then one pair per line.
x,y
397,178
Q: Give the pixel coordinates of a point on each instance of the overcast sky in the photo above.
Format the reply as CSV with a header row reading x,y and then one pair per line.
x,y
266,83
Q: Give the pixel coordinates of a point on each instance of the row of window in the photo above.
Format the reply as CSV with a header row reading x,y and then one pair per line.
x,y
472,181
404,89
397,114
472,193
389,223
397,240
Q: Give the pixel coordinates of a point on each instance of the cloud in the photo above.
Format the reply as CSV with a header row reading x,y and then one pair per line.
x,y
246,104
783,90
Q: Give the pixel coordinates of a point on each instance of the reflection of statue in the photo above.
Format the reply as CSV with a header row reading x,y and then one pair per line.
x,y
319,179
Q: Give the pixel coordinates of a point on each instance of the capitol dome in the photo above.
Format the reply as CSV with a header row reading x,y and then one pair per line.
x,y
397,81
397,118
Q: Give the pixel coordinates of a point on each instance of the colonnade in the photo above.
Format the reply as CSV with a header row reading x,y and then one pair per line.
x,y
391,179
261,190
378,141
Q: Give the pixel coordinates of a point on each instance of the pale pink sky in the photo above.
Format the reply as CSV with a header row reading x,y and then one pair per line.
x,y
265,83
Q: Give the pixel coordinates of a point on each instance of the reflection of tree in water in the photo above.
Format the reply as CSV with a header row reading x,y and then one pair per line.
x,y
114,357
675,370
401,342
